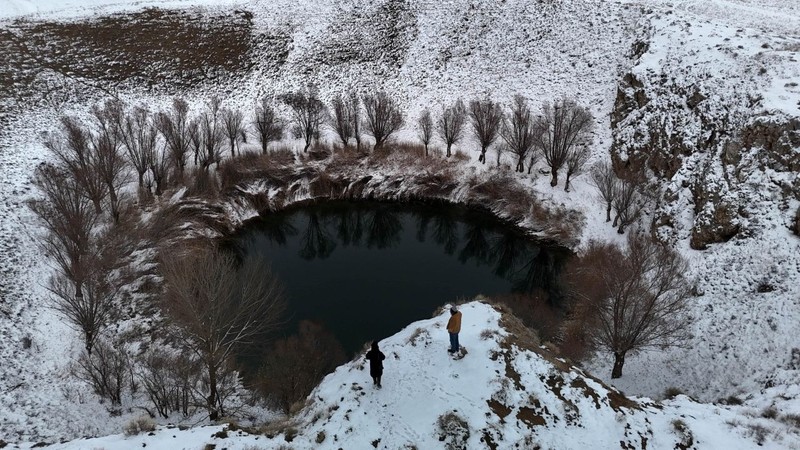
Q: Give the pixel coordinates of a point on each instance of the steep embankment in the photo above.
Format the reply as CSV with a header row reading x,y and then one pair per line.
x,y
506,392
711,110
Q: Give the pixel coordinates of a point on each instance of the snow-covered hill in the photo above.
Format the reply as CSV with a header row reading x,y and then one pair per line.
x,y
688,67
506,392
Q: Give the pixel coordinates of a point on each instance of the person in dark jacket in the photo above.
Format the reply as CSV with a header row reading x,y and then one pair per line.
x,y
375,357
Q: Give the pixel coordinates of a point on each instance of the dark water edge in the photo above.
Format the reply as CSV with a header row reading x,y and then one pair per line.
x,y
366,269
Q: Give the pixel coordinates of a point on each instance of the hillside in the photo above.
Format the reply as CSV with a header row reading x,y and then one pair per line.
x,y
506,392
702,95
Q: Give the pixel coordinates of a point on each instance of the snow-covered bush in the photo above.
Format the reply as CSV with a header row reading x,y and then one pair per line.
x,y
453,431
138,425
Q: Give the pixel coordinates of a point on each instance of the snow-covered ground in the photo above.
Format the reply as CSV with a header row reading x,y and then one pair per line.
x,y
742,339
502,394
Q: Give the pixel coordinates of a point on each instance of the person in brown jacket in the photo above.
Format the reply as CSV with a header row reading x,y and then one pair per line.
x,y
454,327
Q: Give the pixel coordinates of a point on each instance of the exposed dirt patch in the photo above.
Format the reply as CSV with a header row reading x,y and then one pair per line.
x,y
498,408
529,417
580,383
152,47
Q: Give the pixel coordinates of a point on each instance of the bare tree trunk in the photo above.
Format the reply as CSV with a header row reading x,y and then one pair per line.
x,y
426,150
619,361
521,165
213,414
554,181
449,146
608,212
566,183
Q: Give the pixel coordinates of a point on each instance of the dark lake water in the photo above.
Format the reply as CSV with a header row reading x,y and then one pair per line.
x,y
365,270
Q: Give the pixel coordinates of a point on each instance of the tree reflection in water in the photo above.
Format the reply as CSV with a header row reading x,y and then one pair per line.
x,y
367,268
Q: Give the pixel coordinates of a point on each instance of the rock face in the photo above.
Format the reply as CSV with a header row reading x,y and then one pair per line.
x,y
705,131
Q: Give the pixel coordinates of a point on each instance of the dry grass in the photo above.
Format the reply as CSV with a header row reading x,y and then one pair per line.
x,y
152,47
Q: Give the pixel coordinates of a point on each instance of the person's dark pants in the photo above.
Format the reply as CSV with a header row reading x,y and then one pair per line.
x,y
454,347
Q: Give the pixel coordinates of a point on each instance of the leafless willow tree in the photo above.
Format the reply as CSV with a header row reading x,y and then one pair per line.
x,y
159,168
519,131
633,299
425,128
217,306
451,124
563,125
267,124
355,111
89,309
75,151
383,117
627,203
139,136
109,160
207,135
576,160
308,114
233,125
487,118
69,218
342,119
605,181
174,127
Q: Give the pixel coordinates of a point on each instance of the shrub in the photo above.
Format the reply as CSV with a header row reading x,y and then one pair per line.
x,y
294,366
320,437
143,424
488,334
107,370
453,431
733,400
672,392
290,434
769,413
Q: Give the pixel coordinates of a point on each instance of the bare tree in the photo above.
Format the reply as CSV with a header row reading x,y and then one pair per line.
x,y
89,309
627,204
174,126
564,125
219,305
159,167
267,124
383,117
109,162
69,218
308,114
498,151
634,298
139,137
451,124
75,151
342,119
207,135
107,370
533,158
487,118
233,125
295,365
169,382
519,131
576,159
605,181
355,110
425,125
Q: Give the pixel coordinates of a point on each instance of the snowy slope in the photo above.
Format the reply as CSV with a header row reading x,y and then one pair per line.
x,y
506,393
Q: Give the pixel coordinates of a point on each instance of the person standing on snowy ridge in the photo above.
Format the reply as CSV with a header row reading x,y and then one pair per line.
x,y
454,327
375,357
